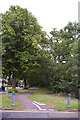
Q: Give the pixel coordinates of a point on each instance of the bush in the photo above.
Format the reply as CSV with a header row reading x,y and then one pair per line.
x,y
12,90
25,88
5,85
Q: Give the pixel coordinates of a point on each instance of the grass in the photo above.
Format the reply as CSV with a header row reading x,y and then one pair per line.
x,y
6,103
59,102
21,91
0,100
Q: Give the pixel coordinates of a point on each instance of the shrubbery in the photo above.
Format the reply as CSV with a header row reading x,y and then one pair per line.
x,y
12,90
5,85
25,88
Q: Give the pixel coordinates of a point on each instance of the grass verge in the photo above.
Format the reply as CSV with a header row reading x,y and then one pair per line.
x,y
57,101
6,103
21,91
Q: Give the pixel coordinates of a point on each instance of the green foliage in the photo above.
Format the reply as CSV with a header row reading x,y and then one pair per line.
x,y
22,39
25,88
64,49
40,60
12,90
6,85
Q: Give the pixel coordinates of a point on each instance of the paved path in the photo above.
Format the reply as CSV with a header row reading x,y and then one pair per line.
x,y
31,105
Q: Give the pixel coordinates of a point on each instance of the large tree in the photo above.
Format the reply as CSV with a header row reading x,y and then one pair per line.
x,y
64,49
22,38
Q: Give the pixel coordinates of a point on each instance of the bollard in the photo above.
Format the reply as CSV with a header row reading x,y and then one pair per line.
x,y
68,103
7,91
13,98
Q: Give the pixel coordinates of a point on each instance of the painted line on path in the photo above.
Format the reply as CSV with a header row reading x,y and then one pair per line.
x,y
39,103
38,106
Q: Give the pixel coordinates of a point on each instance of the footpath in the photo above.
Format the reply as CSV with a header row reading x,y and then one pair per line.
x,y
31,105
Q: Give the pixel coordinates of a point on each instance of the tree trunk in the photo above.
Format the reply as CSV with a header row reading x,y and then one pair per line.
x,y
24,82
14,80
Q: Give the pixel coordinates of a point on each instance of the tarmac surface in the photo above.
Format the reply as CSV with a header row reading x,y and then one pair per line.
x,y
37,114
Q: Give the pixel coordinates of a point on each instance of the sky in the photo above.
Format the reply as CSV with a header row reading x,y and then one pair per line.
x,y
49,13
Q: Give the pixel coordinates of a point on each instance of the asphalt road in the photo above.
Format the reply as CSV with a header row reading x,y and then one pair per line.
x,y
47,115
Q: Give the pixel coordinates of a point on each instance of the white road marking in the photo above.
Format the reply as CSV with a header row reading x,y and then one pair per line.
x,y
39,103
38,106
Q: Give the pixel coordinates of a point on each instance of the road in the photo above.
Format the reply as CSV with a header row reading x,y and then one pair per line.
x,y
38,114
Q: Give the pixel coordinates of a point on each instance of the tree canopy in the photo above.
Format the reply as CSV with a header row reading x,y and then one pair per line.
x,y
28,53
22,39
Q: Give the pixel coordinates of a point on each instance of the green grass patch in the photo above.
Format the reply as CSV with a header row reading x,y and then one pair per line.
x,y
12,90
0,100
6,103
59,102
22,91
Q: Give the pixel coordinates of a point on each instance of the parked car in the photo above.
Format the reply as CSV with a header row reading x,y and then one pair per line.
x,y
9,85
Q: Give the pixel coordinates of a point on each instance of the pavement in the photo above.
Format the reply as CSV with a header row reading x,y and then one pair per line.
x,y
37,114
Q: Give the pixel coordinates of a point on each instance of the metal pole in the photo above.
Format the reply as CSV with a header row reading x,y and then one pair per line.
x,y
13,98
68,102
7,91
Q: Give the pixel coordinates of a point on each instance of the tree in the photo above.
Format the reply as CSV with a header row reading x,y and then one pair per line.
x,y
22,38
64,49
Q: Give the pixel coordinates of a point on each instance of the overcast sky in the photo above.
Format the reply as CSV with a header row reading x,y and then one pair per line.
x,y
49,13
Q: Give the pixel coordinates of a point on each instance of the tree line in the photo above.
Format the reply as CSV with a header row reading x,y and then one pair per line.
x,y
42,60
